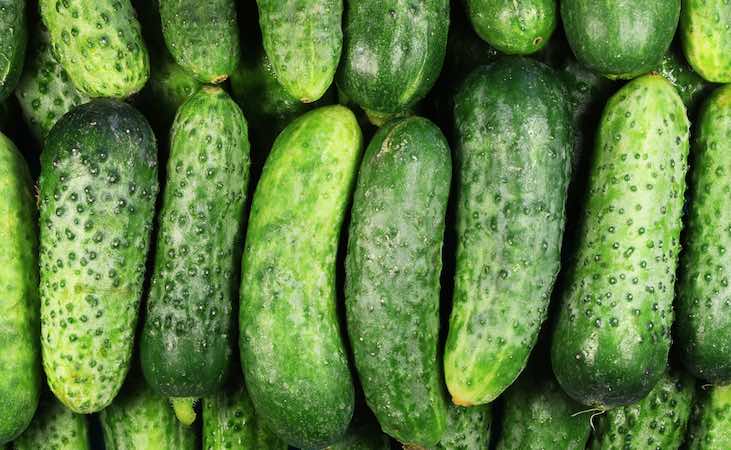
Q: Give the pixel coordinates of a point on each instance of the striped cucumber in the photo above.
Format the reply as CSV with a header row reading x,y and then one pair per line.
x,y
55,428
710,427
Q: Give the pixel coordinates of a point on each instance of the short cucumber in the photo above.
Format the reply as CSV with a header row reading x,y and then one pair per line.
x,y
55,428
13,41
467,428
706,38
710,427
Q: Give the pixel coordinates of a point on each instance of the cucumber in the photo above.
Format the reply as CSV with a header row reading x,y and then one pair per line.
x,y
710,427
467,428
99,44
363,436
203,37
55,428
139,419
658,421
45,92
706,38
611,340
292,353
691,86
513,146
393,51
514,28
186,341
392,272
620,38
13,41
20,358
98,186
303,40
704,332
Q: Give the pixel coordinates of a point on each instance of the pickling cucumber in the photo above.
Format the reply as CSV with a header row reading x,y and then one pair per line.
x,y
54,427
710,427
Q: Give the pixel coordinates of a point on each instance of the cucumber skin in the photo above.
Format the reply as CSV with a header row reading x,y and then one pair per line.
x,y
365,436
55,428
498,221
467,428
303,40
20,363
514,28
98,187
203,37
118,68
392,272
292,354
703,331
620,38
710,427
374,31
657,421
612,336
691,87
13,42
706,41
186,341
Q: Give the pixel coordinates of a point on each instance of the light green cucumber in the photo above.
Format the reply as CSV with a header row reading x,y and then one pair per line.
x,y
710,427
54,427
705,33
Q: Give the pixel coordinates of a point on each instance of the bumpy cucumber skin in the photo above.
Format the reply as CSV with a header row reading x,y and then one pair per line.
x,y
611,340
187,338
706,38
393,52
45,92
55,428
140,419
620,38
704,313
303,40
20,364
691,87
365,436
99,44
658,421
514,28
710,427
98,187
292,353
13,41
514,138
392,272
203,37
467,428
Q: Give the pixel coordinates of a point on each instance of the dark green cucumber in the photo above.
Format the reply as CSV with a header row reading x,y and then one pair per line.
x,y
203,37
55,428
706,37
292,353
392,272
20,363
13,41
658,421
392,53
363,436
98,187
303,39
691,86
620,38
514,28
710,427
611,340
467,428
704,311
186,341
99,44
514,141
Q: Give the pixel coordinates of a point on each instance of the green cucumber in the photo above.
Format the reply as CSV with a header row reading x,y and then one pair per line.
x,y
303,40
393,51
514,28
658,421
363,436
710,427
186,341
392,272
704,332
467,428
514,136
620,38
203,37
98,186
45,92
611,340
20,363
292,353
691,86
55,428
99,44
706,38
13,41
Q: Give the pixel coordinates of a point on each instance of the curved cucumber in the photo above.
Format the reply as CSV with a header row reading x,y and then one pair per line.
x,y
292,353
392,275
13,41
706,38
611,340
98,187
467,428
55,428
710,428
704,325
514,142
20,363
